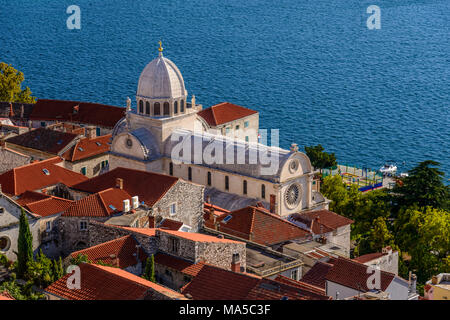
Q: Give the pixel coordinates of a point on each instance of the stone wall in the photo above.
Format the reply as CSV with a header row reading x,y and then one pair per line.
x,y
189,204
92,164
10,159
220,254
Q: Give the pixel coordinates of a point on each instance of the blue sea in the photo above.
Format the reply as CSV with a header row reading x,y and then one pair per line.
x,y
311,68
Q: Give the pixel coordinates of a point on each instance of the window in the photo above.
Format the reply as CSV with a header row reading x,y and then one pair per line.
x,y
48,226
141,106
246,139
157,109
174,244
147,107
246,124
182,106
175,107
237,127
2,210
244,187
189,173
263,191
173,209
209,178
227,130
83,170
5,243
42,124
185,228
294,274
97,131
166,109
83,225
171,169
227,183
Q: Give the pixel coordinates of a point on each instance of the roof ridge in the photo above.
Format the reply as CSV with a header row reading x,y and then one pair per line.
x,y
103,243
102,202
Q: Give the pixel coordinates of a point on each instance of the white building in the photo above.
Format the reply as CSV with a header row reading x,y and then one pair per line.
x,y
166,134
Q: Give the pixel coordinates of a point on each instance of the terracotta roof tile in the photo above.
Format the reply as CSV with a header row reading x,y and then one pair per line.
x,y
148,186
33,177
5,295
87,113
181,265
198,237
170,224
99,204
369,257
224,112
45,140
121,251
316,275
321,221
260,225
108,283
86,148
213,283
354,275
50,206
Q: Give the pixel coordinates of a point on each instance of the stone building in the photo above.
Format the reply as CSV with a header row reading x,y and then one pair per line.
x,y
165,196
386,260
166,134
10,159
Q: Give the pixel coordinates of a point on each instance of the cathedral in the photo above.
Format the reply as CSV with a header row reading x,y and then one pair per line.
x,y
217,147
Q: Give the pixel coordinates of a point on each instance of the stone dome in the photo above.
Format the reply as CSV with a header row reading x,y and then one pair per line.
x,y
161,79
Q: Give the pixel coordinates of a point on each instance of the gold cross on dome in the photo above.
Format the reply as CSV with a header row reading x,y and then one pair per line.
x,y
160,46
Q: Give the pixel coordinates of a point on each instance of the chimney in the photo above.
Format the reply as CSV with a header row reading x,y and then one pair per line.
x,y
119,183
208,199
126,205
90,132
151,222
387,250
235,263
11,111
135,202
193,101
115,260
413,283
272,203
434,280
30,125
21,112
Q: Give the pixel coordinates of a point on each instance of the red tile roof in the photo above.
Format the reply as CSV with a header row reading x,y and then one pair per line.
x,y
45,140
6,296
181,265
49,206
170,224
148,186
30,196
88,113
98,204
86,148
217,211
213,283
369,257
149,232
300,284
197,237
354,275
259,225
321,221
224,112
120,252
316,275
108,283
32,177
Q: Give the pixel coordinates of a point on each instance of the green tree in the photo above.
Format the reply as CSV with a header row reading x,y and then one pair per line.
x,y
149,272
423,186
79,259
40,271
380,236
426,238
11,85
320,159
25,245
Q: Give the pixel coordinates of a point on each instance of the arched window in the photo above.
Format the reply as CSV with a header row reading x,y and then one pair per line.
x,y
141,106
147,108
209,178
189,173
171,169
263,191
166,109
157,109
227,183
175,107
182,106
244,187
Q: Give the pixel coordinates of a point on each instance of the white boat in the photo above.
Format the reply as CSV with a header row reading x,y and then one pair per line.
x,y
388,168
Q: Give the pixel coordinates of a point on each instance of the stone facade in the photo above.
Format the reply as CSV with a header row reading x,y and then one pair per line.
x,y
10,159
92,165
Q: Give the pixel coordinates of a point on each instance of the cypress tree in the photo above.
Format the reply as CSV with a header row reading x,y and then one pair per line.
x,y
149,272
24,245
